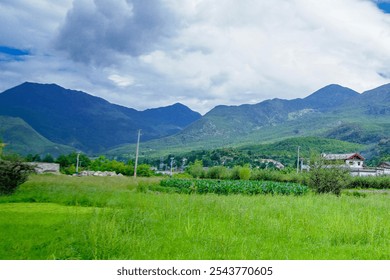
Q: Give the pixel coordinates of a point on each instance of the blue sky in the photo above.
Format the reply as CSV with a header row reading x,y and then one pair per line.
x,y
202,53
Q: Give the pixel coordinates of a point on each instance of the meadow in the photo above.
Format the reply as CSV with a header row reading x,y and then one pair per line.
x,y
93,218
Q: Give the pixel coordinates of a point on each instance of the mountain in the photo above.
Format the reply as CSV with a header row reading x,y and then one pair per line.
x,y
332,112
86,122
23,139
56,116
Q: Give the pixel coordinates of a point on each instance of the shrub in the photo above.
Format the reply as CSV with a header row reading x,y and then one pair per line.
x,y
13,174
245,172
375,182
324,179
144,170
196,169
217,172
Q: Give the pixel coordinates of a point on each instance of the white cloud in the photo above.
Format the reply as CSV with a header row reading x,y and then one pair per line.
x,y
202,53
121,81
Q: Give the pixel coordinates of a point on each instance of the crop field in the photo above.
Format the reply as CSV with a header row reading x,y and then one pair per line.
x,y
61,217
232,187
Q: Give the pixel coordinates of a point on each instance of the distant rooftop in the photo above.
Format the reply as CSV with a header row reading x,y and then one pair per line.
x,y
342,156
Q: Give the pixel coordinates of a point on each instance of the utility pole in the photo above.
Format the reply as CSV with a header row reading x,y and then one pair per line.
x,y
136,154
77,162
172,158
298,160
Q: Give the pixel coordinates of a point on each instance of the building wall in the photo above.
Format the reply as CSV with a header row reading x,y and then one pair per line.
x,y
353,163
46,167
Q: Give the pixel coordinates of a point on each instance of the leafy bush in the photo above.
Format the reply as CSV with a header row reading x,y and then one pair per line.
x,y
217,172
196,169
381,182
144,170
328,179
13,174
245,172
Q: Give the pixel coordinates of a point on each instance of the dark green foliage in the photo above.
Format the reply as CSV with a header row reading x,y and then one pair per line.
x,y
381,182
104,164
48,158
226,187
328,179
144,170
68,162
71,159
33,158
12,174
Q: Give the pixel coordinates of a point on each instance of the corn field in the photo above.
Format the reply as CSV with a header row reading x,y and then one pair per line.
x,y
226,187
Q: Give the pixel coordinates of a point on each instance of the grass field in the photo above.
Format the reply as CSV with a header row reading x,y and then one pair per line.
x,y
60,217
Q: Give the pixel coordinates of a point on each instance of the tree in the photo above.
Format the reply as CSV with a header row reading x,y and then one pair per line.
x,y
196,169
48,158
327,179
12,174
66,161
33,158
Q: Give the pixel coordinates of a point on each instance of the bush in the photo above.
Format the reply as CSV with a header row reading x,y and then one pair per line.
x,y
196,169
380,182
13,174
245,172
217,172
328,179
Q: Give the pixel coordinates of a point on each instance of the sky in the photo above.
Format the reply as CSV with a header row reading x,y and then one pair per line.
x,y
202,53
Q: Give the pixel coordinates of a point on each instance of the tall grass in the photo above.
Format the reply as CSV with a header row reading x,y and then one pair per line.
x,y
107,218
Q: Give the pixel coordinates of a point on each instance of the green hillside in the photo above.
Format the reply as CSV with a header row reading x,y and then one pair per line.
x,y
284,151
332,112
23,139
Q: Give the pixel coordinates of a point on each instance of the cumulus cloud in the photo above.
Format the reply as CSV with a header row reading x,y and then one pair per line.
x,y
202,53
95,30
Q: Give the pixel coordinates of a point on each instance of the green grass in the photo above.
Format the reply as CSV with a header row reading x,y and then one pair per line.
x,y
60,217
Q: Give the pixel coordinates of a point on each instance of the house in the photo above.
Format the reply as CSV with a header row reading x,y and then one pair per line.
x,y
45,167
384,165
352,160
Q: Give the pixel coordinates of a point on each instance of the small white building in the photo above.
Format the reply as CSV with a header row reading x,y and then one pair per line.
x,y
45,167
352,160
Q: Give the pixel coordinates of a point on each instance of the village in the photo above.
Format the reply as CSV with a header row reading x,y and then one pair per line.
x,y
353,162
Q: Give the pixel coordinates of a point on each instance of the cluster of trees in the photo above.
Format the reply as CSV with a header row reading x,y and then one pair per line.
x,y
68,165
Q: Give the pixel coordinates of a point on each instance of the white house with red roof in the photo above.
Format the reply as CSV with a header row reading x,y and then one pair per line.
x,y
352,160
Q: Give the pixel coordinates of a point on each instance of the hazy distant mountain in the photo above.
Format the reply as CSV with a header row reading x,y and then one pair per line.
x,y
87,122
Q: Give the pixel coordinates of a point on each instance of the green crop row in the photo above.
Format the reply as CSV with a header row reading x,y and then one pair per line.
x,y
226,187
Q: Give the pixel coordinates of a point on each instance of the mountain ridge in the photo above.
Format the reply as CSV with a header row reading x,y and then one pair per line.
x,y
333,111
87,122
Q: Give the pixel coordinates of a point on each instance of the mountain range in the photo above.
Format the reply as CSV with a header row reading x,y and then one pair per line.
x,y
85,122
333,112
78,120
